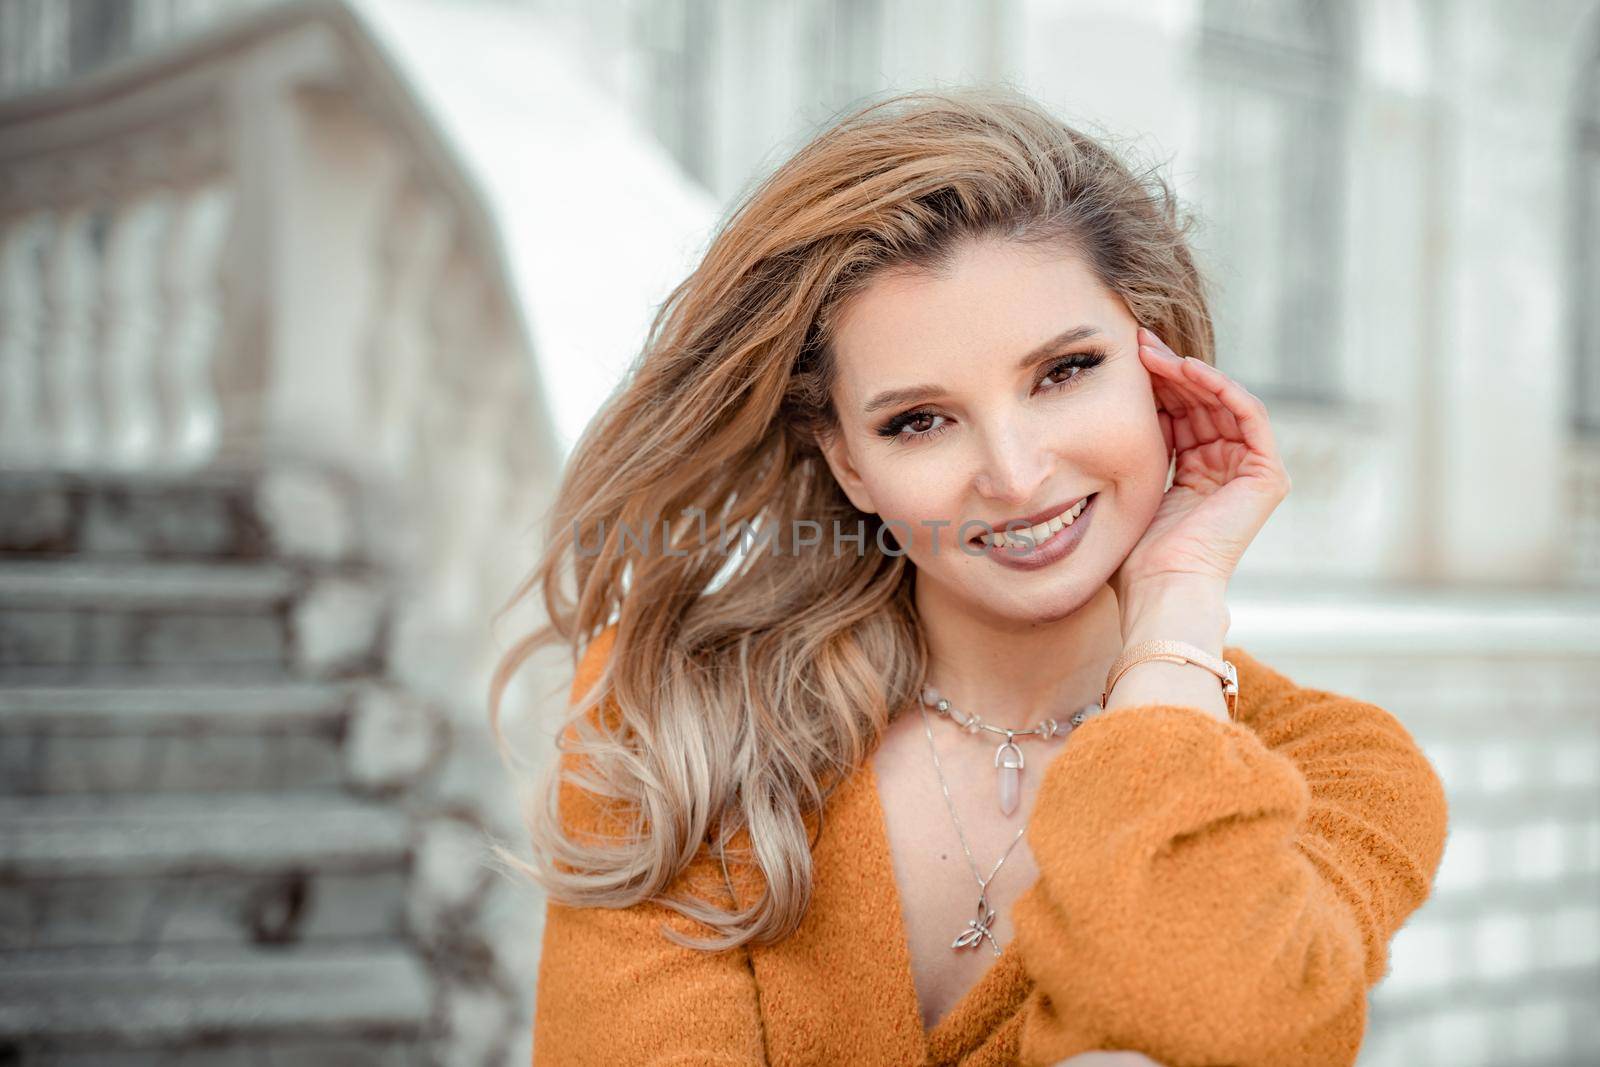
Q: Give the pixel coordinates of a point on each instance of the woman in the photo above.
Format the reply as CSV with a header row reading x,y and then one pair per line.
x,y
891,786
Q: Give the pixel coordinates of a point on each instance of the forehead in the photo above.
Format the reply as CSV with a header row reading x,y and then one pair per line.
x,y
996,300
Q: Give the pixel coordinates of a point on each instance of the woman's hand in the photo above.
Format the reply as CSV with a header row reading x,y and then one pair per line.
x,y
1228,480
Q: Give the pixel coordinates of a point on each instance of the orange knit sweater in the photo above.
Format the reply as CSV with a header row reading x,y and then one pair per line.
x,y
1209,893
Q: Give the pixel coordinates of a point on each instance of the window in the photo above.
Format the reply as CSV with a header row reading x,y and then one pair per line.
x,y
1274,78
1585,400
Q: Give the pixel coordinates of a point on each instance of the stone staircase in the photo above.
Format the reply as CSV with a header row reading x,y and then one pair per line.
x,y
213,807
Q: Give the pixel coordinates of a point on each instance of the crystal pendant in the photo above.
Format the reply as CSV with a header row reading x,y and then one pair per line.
x,y
1008,757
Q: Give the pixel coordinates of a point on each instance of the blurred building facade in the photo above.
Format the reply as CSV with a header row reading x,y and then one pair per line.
x,y
1399,208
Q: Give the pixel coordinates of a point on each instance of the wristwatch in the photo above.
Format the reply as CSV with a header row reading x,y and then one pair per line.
x,y
1176,652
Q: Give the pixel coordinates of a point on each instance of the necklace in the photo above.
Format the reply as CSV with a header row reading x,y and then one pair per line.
x,y
978,926
1007,757
1010,774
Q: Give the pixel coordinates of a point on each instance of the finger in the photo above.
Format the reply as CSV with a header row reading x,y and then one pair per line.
x,y
1163,381
1167,369
1188,400
1164,361
1177,409
1221,417
1248,411
1212,419
1227,423
1216,413
1241,405
1205,427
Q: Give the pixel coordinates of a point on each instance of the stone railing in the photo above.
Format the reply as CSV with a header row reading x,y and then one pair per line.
x,y
218,249
50,42
252,249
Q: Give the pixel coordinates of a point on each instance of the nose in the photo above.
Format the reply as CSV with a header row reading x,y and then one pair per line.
x,y
1015,463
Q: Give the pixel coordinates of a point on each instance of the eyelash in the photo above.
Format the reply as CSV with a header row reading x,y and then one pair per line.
x,y
1084,362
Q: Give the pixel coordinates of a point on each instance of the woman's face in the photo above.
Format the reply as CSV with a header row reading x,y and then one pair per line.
x,y
1009,387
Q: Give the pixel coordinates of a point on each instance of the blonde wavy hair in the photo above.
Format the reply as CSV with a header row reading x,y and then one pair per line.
x,y
739,701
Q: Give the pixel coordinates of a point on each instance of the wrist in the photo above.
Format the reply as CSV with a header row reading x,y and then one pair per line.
x,y
1177,609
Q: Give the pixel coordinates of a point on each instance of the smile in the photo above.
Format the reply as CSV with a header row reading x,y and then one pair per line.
x,y
1043,544
1035,535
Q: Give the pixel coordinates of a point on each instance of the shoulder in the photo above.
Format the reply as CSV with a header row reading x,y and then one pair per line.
x,y
599,810
592,661
584,807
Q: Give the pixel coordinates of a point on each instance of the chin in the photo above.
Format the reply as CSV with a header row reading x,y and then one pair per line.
x,y
1032,601
1056,604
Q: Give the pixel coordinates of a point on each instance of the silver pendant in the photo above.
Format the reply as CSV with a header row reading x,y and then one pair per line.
x,y
978,928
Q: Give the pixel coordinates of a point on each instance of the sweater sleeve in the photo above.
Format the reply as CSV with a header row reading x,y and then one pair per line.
x,y
612,990
1217,892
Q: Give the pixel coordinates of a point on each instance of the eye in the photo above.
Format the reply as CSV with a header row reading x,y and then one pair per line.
x,y
919,425
1080,362
912,426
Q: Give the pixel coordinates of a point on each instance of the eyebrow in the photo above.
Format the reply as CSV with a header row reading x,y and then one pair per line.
x,y
913,393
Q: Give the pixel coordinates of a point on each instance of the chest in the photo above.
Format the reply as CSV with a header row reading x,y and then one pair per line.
x,y
938,891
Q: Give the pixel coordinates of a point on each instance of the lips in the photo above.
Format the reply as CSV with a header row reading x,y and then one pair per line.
x,y
1034,519
1057,546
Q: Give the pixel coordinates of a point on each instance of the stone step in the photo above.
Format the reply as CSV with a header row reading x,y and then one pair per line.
x,y
156,737
151,707
188,514
233,513
269,1051
94,1002
172,870
171,834
142,585
74,618
293,906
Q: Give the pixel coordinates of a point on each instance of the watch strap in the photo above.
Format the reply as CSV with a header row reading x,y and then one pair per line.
x,y
1176,652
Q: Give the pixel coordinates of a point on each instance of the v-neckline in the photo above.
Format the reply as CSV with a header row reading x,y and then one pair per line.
x,y
987,983
1007,971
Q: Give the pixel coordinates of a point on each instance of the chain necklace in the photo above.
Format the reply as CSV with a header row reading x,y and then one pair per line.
x,y
1008,759
978,927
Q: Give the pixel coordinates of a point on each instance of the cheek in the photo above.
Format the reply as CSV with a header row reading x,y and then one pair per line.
x,y
1127,433
1133,444
915,492
1106,435
1136,474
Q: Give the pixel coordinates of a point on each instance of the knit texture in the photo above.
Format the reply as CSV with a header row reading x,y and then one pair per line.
x,y
1209,893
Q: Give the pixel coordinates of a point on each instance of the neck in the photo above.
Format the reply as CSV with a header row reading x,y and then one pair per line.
x,y
1015,674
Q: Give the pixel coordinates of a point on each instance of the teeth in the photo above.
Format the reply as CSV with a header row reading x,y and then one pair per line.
x,y
1039,533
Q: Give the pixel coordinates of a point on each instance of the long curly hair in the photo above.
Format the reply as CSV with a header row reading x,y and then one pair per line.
x,y
742,687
